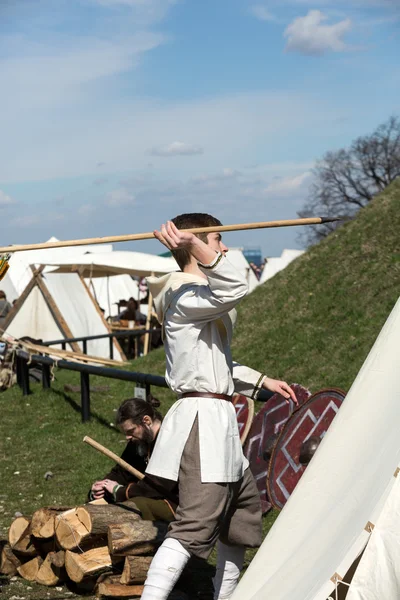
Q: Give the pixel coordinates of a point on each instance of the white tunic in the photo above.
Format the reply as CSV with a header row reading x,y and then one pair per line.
x,y
197,316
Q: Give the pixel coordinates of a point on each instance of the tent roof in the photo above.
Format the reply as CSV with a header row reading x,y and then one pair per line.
x,y
20,273
115,263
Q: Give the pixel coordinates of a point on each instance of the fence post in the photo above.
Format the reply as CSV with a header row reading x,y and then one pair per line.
x,y
147,389
25,377
63,346
85,397
111,347
46,377
84,346
19,373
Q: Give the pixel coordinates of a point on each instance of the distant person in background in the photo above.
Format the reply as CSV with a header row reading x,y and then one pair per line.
x,y
5,308
132,313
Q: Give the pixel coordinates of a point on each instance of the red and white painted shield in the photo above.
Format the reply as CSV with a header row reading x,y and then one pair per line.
x,y
310,420
263,434
244,408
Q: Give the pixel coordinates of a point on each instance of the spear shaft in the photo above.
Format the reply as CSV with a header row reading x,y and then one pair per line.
x,y
147,236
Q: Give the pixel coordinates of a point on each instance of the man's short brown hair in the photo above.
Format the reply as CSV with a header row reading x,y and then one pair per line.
x,y
189,221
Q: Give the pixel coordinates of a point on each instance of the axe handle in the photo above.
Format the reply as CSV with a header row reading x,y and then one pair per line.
x,y
114,457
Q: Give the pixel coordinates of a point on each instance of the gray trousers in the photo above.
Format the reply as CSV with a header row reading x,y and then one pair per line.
x,y
230,512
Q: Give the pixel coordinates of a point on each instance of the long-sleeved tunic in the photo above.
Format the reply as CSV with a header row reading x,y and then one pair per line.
x,y
197,317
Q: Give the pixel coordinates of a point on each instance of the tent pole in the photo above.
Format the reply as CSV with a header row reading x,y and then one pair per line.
x,y
148,321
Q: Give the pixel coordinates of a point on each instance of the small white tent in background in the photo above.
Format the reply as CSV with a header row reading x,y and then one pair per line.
x,y
58,306
238,260
276,264
348,499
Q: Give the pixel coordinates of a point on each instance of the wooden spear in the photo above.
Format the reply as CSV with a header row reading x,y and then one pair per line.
x,y
147,236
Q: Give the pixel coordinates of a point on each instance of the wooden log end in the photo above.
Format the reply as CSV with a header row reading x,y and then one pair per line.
x,y
18,530
9,562
87,564
117,590
30,569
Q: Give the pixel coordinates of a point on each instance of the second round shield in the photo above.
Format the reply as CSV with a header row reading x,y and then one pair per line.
x,y
298,440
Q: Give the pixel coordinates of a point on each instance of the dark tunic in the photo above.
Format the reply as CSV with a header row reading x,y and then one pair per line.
x,y
137,455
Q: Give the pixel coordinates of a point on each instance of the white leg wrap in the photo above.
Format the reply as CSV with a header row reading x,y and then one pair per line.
x,y
230,561
165,569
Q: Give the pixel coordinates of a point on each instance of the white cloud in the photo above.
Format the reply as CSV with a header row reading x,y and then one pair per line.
x,y
308,35
262,14
177,149
119,197
5,200
288,185
58,73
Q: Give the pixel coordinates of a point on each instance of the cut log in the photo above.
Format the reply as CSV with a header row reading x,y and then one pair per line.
x,y
30,569
132,539
86,526
19,536
70,531
19,528
135,569
9,563
49,574
87,564
43,521
109,589
96,518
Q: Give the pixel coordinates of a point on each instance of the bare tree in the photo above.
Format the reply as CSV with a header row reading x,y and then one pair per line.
x,y
348,179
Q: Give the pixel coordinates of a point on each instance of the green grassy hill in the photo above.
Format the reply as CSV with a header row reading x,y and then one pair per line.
x,y
314,323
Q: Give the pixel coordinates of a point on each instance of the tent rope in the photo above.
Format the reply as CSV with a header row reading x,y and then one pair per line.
x,y
336,590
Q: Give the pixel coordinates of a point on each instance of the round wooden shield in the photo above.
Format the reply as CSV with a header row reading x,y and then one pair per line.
x,y
244,408
263,435
308,422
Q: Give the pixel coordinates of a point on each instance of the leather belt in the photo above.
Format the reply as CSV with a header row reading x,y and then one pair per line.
x,y
206,395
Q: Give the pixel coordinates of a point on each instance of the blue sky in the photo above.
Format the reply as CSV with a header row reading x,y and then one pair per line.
x,y
118,114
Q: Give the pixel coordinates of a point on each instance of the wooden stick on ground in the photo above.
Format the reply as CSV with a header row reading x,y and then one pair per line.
x,y
67,354
147,236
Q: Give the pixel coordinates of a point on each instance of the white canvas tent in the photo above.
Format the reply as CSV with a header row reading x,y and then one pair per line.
x,y
348,497
276,264
137,264
19,274
56,306
108,291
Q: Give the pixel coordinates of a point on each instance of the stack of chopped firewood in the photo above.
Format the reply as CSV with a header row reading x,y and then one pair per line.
x,y
106,547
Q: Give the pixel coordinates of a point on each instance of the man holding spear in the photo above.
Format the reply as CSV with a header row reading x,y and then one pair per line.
x,y
198,444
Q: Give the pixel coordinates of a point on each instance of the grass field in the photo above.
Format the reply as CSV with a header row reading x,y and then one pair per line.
x,y
314,323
